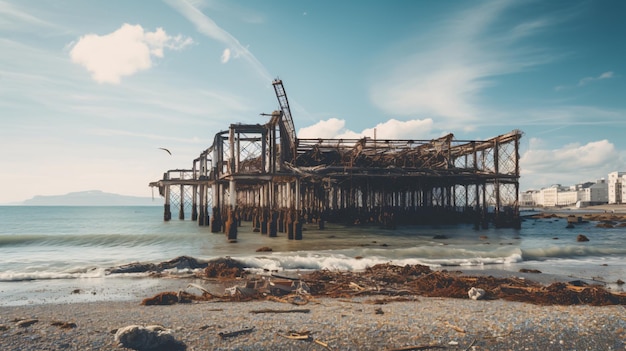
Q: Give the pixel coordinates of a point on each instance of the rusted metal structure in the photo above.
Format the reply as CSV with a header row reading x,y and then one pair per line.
x,y
263,173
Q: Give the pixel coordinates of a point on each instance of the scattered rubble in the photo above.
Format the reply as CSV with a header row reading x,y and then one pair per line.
x,y
388,280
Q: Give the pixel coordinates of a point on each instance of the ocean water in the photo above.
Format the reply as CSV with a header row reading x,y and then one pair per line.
x,y
48,244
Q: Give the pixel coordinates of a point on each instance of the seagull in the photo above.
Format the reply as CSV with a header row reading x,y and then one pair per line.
x,y
168,151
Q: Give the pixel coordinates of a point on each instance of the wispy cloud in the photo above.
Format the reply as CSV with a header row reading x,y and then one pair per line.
x,y
445,71
14,18
208,27
587,80
124,52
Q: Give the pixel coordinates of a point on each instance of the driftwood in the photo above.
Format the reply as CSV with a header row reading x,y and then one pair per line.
x,y
303,336
267,310
235,333
420,347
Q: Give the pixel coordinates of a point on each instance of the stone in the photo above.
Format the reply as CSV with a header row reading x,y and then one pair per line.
x,y
476,293
581,238
152,337
26,322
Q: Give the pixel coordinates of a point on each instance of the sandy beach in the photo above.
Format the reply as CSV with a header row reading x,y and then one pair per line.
x,y
375,322
341,324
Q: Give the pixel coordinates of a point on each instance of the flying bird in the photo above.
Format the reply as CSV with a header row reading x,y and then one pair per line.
x,y
168,151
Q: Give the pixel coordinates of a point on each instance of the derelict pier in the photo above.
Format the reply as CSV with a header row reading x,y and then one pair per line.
x,y
264,174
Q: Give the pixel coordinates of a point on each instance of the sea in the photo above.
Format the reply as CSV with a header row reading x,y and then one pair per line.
x,y
55,253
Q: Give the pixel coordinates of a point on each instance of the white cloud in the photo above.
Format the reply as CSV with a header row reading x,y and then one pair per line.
x,y
444,72
122,53
569,164
226,55
391,129
329,128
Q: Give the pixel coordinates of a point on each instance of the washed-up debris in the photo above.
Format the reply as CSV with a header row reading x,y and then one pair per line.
x,y
182,296
224,268
476,293
235,333
23,323
395,281
63,325
267,310
152,337
420,347
416,280
458,329
303,336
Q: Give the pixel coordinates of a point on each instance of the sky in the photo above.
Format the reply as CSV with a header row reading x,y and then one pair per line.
x,y
90,90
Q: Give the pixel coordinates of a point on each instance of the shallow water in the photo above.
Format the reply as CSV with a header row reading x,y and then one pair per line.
x,y
69,243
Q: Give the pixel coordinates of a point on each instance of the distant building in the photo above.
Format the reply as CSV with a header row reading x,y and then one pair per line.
x,y
590,194
617,187
584,194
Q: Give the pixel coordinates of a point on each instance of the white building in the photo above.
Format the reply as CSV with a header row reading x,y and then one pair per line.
x,y
617,187
594,193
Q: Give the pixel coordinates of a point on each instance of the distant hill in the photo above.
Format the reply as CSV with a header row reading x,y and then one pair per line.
x,y
92,198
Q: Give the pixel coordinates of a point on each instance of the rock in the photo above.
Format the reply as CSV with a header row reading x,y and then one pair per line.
x,y
152,337
581,238
135,267
27,322
63,325
527,270
182,262
3,327
476,293
264,249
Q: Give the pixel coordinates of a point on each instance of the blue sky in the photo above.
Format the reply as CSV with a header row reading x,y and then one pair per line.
x,y
91,89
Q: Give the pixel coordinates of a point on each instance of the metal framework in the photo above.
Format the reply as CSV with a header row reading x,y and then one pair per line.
x,y
264,174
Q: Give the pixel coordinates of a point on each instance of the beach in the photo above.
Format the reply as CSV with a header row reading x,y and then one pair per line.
x,y
58,290
356,318
342,324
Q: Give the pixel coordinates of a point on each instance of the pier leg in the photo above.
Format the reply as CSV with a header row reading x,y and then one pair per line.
x,y
167,213
231,227
264,222
181,209
289,225
216,222
297,228
271,225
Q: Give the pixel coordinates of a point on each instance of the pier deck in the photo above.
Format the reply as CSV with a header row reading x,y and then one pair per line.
x,y
263,173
